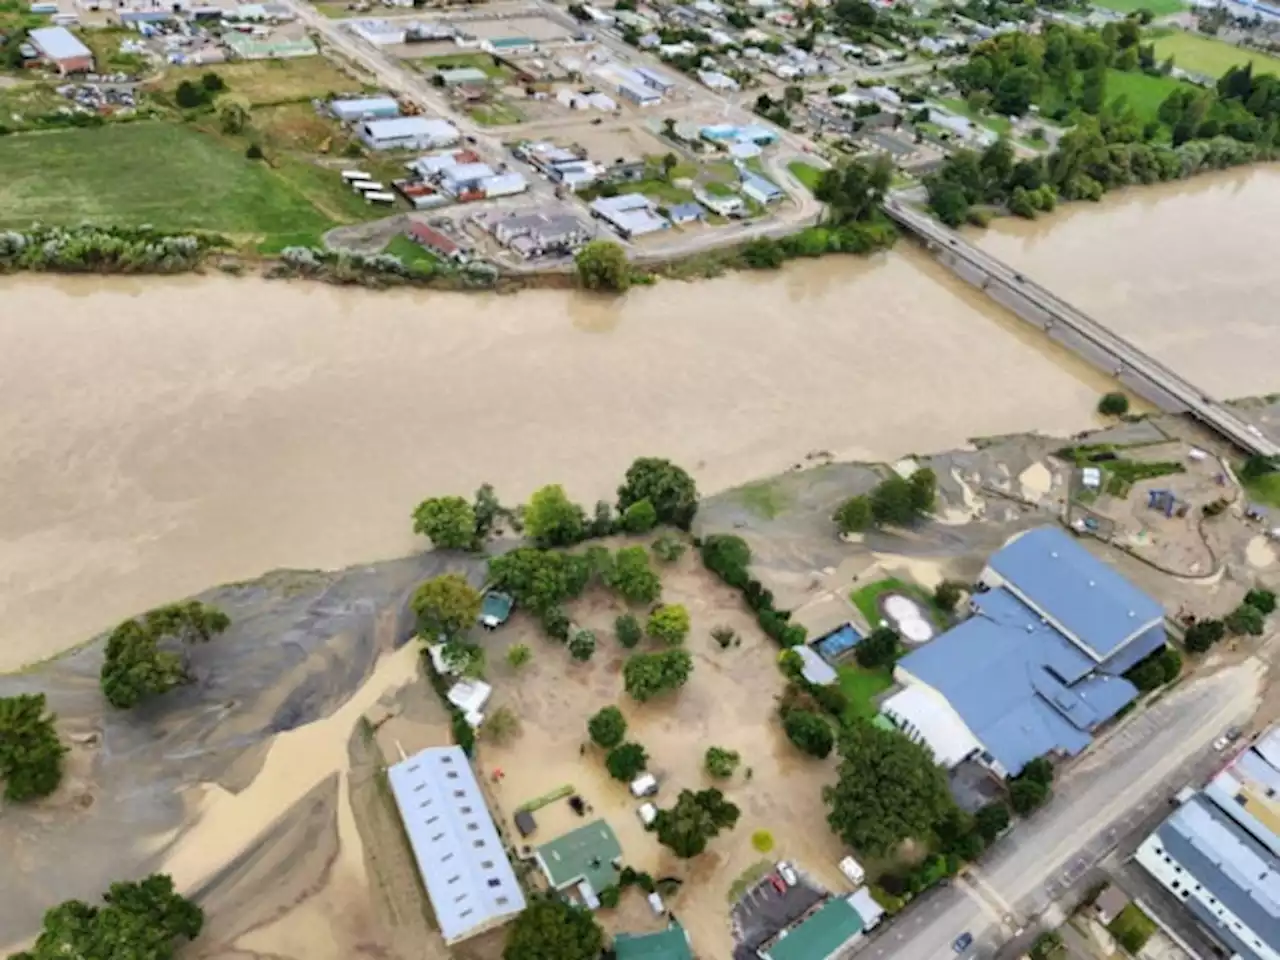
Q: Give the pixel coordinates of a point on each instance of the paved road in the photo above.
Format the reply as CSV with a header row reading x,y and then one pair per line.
x,y
1129,357
1101,800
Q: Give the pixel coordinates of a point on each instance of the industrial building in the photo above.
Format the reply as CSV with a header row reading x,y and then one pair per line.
x,y
365,108
61,48
1219,853
456,845
1039,664
381,33
408,133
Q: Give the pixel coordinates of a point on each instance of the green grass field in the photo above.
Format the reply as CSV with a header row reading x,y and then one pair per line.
x,y
1210,57
495,114
862,686
992,121
1143,92
162,174
1160,8
456,61
867,599
809,175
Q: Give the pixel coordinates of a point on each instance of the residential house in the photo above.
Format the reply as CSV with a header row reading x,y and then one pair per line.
x,y
586,861
540,234
827,932
457,848
1037,667
714,80
1109,903
761,190
61,48
630,214
429,238
685,213
724,205
408,133
669,944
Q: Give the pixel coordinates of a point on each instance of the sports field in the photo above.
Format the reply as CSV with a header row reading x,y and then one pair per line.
x,y
1211,57
163,174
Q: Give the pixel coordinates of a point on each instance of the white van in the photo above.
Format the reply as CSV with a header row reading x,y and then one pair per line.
x,y
852,869
645,785
647,813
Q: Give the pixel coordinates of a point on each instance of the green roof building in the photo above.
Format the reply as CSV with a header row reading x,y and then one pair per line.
x,y
671,944
821,936
588,857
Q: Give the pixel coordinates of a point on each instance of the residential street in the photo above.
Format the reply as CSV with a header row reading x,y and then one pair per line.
x,y
1103,799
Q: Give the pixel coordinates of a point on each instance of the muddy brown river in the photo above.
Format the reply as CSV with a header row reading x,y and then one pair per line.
x,y
161,436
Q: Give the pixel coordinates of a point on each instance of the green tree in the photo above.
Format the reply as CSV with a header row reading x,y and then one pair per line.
x,y
628,629
646,675
134,667
632,578
669,162
519,654
991,821
668,548
727,556
142,920
1261,599
670,490
1039,770
640,517
1245,619
582,644
889,789
551,519
880,649
539,579
486,509
1027,795
1203,634
626,761
695,819
30,752
669,623
809,731
233,114
947,594
854,515
501,726
555,623
1114,404
189,96
189,621
607,727
212,82
553,929
602,265
720,762
602,523
450,522
924,490
446,606
465,659
894,501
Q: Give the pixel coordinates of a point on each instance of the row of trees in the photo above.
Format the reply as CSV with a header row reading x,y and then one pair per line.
x,y
897,501
137,665
728,557
1248,619
92,249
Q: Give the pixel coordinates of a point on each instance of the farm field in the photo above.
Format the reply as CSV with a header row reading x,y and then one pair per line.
x,y
157,173
1210,57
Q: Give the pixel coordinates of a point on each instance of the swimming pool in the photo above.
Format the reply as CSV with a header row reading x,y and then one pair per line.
x,y
837,643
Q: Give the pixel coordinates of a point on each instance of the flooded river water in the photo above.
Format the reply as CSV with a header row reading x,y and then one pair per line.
x,y
165,435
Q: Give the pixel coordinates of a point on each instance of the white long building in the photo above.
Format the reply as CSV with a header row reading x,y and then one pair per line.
x,y
1219,853
459,853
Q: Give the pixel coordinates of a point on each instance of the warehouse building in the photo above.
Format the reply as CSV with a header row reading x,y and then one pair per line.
x,y
61,48
459,854
365,108
1219,853
408,133
1039,664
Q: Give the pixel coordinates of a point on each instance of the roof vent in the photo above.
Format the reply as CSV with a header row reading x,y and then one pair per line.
x,y
1093,583
1031,628
1133,613
1054,554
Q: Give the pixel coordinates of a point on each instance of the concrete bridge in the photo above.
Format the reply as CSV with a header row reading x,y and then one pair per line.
x,y
1079,332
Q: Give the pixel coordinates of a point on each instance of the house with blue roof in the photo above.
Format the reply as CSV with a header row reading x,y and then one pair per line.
x,y
1039,664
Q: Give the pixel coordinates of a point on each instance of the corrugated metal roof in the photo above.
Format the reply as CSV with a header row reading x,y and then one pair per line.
x,y
398,127
58,43
459,853
1230,864
1052,572
669,944
819,937
589,853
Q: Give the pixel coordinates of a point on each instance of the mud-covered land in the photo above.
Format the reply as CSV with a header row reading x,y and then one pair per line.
x,y
256,786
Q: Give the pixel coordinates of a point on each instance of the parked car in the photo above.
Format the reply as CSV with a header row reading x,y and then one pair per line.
x,y
1221,744
647,813
645,785
962,942
787,873
777,883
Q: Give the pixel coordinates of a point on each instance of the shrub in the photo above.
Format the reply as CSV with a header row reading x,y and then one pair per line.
x,y
640,517
631,577
1203,634
1114,404
463,734
555,623
626,761
990,821
727,556
762,841
1027,795
854,515
723,636
253,152
1132,928
582,645
880,649
832,699
628,629
668,548
1262,600
519,655
720,762
1245,619
607,727
810,732
669,623
609,897
947,594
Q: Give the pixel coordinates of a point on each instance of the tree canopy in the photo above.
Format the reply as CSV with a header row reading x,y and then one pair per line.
x,y
695,819
540,579
552,929
631,576
809,731
602,265
629,631
668,488
854,515
30,752
450,522
582,645
446,606
551,519
626,761
669,623
640,517
646,675
728,556
134,667
889,790
140,921
607,727
721,762
880,649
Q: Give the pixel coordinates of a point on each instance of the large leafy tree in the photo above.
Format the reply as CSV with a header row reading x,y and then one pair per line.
x,y
889,790
450,522
30,752
645,675
134,667
632,577
695,819
602,265
553,929
446,605
551,519
809,731
540,579
626,761
670,490
140,921
607,727
190,621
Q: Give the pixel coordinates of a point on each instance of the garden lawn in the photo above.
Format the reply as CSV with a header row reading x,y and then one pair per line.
x,y
806,173
456,61
992,121
158,173
862,686
410,252
1160,8
1143,92
1210,57
1264,489
659,191
867,599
